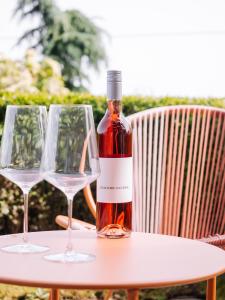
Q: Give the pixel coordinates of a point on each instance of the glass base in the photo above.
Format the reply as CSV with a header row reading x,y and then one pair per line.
x,y
24,248
70,257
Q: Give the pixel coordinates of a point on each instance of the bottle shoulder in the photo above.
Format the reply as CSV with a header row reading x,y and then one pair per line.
x,y
110,122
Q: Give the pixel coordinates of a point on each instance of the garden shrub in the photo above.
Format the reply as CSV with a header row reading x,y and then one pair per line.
x,y
46,202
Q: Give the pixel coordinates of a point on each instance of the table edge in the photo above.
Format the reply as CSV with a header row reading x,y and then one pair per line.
x,y
111,286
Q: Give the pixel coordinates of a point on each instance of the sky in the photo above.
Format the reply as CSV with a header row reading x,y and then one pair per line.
x,y
163,47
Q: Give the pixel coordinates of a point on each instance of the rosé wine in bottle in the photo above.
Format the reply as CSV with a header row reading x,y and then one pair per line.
x,y
114,186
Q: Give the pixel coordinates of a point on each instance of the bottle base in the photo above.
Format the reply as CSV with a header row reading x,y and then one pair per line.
x,y
113,231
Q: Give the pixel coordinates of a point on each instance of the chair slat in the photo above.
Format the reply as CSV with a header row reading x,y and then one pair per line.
x,y
173,175
200,131
168,178
159,174
180,137
171,182
180,202
154,172
136,179
149,161
162,195
191,199
140,203
144,173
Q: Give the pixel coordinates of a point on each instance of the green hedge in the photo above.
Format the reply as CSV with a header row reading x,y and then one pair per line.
x,y
46,201
131,104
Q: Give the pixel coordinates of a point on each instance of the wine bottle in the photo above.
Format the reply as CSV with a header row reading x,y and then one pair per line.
x,y
114,186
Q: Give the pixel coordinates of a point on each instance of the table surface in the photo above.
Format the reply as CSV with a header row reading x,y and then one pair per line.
x,y
143,260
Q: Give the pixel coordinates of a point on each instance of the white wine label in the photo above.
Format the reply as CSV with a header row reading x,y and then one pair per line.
x,y
114,185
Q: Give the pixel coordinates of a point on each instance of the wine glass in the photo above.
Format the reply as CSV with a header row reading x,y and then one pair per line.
x,y
70,162
21,152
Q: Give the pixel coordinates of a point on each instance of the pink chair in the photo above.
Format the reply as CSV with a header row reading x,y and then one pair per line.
x,y
179,173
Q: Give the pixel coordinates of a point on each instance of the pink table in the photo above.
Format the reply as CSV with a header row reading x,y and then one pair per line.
x,y
144,260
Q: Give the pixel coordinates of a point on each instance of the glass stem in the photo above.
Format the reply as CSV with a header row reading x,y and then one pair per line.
x,y
69,246
25,218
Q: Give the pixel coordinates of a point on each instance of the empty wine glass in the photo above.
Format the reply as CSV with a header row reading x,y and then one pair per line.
x,y
70,161
21,152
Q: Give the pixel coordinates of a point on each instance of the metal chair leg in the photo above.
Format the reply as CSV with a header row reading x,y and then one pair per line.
x,y
132,294
54,294
211,289
108,295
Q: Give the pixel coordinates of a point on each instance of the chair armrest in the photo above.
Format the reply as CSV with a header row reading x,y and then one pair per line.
x,y
216,240
76,224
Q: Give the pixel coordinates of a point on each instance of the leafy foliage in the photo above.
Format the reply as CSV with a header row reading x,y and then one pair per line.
x,y
27,139
31,75
69,37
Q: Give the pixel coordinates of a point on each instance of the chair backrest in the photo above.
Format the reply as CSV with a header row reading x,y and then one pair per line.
x,y
179,170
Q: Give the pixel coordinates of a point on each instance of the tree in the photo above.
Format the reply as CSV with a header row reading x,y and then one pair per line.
x,y
68,37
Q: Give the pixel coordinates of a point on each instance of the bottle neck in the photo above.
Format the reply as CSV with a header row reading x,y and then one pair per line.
x,y
114,107
114,90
